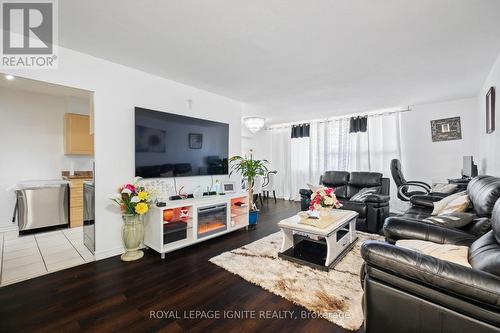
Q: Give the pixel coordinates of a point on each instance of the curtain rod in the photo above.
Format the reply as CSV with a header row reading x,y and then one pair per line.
x,y
329,119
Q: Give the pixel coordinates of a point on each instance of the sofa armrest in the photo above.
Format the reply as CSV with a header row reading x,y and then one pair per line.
x,y
478,227
463,282
424,200
423,185
396,228
305,192
377,198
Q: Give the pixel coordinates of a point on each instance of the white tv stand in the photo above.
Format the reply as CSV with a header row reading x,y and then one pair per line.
x,y
167,230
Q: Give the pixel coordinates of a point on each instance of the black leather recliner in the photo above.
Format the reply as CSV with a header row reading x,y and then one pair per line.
x,y
406,291
372,212
404,185
483,192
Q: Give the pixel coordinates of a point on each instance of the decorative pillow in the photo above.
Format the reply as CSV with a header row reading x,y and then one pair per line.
x,y
453,253
441,204
453,220
444,188
459,204
364,193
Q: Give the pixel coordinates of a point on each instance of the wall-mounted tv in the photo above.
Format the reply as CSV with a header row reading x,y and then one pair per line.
x,y
170,145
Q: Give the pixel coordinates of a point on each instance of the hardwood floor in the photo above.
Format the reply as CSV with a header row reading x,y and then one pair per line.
x,y
110,295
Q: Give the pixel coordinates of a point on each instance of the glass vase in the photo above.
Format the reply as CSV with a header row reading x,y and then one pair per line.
x,y
132,235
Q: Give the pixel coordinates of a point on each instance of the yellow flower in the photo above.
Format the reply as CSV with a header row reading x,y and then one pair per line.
x,y
143,195
141,208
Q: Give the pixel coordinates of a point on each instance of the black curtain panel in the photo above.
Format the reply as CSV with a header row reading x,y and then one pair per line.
x,y
300,131
358,124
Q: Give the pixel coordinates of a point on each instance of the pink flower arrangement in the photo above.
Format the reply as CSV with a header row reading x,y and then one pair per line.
x,y
324,197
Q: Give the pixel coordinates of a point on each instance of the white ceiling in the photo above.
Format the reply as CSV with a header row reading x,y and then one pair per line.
x,y
41,87
297,59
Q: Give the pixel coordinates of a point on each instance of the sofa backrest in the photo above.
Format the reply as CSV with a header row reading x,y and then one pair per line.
x,y
337,180
484,192
348,184
360,180
484,253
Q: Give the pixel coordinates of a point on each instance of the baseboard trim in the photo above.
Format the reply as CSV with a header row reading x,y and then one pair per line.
x,y
6,228
109,253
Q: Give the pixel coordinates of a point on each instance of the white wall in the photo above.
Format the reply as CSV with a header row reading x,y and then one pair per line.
x,y
32,143
118,89
425,160
489,143
259,143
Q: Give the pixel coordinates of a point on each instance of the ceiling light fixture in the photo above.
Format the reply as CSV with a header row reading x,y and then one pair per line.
x,y
254,124
9,77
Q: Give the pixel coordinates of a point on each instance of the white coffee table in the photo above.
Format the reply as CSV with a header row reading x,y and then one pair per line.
x,y
325,252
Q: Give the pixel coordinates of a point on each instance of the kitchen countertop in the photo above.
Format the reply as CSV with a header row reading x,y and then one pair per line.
x,y
77,175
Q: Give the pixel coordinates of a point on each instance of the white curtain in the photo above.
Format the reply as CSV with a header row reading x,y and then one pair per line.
x,y
299,166
290,157
281,160
385,145
374,149
331,147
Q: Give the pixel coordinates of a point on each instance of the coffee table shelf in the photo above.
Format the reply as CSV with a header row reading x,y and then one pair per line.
x,y
331,245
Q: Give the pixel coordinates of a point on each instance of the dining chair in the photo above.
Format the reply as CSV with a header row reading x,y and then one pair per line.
x,y
270,185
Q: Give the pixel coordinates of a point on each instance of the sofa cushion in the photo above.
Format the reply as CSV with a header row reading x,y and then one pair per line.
x,y
418,212
338,181
452,253
484,254
359,207
341,192
453,220
335,178
365,179
484,192
478,227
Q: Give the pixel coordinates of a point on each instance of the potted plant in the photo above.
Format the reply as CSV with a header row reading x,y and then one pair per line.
x,y
134,202
249,169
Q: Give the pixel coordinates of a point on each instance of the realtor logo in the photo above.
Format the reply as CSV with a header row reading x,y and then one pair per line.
x,y
29,34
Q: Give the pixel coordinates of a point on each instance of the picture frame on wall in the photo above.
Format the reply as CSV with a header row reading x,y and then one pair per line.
x,y
195,140
446,129
490,110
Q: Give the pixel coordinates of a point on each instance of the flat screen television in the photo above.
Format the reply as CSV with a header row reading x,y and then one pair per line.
x,y
170,145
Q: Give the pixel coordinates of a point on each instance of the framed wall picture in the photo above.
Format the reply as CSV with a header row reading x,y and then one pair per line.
x,y
490,110
195,140
446,129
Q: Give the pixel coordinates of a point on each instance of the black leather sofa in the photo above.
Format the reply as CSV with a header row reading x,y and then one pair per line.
x,y
483,192
405,291
372,212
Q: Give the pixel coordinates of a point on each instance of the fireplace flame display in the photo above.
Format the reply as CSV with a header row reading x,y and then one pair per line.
x,y
212,219
207,227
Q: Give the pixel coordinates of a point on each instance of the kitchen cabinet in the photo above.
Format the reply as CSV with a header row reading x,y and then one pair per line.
x,y
77,137
76,200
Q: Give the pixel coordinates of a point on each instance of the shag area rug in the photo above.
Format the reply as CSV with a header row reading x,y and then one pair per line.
x,y
335,295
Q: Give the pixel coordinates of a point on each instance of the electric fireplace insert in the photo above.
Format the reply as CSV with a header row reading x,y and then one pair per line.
x,y
212,220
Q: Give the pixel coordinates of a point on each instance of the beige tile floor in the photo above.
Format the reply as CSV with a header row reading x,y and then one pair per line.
x,y
25,257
